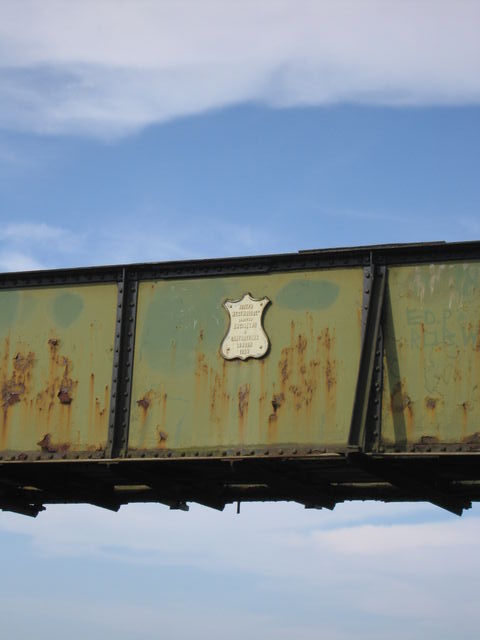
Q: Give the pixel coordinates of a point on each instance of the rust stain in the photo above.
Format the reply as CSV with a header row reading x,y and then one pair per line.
x,y
243,398
330,377
465,409
47,446
431,403
284,373
202,366
243,395
164,415
473,439
22,363
263,393
144,403
54,342
326,356
64,395
301,344
429,440
399,400
11,393
162,436
15,382
277,401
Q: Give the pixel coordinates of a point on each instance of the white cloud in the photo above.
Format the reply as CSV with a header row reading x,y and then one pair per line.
x,y
342,560
111,67
26,245
31,232
254,541
17,261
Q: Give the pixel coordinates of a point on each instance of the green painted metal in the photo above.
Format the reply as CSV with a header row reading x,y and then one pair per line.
x,y
432,356
56,355
57,346
186,396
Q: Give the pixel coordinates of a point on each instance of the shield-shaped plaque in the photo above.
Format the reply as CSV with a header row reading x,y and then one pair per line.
x,y
245,337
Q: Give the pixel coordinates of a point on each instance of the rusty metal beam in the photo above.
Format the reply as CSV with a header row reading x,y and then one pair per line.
x,y
123,365
374,293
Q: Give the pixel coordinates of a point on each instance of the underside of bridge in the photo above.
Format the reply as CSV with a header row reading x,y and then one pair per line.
x,y
450,481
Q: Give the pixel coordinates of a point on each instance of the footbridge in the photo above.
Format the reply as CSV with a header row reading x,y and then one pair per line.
x,y
316,377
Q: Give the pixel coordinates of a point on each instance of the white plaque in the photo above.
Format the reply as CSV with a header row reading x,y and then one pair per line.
x,y
245,337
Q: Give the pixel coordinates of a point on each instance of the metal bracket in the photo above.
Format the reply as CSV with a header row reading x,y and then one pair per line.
x,y
370,361
311,496
122,365
404,477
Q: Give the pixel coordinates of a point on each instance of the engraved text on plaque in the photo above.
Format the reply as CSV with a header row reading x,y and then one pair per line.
x,y
246,337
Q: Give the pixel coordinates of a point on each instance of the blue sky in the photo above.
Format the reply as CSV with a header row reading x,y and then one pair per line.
x,y
143,131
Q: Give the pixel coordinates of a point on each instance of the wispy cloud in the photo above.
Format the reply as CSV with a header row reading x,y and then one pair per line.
x,y
109,68
378,564
28,246
18,261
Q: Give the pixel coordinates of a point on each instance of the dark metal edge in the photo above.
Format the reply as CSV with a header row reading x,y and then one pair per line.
x,y
123,365
374,291
314,259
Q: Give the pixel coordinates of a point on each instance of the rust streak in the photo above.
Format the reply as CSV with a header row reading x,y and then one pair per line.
x,y
277,401
243,395
429,440
47,446
144,403
162,436
64,395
